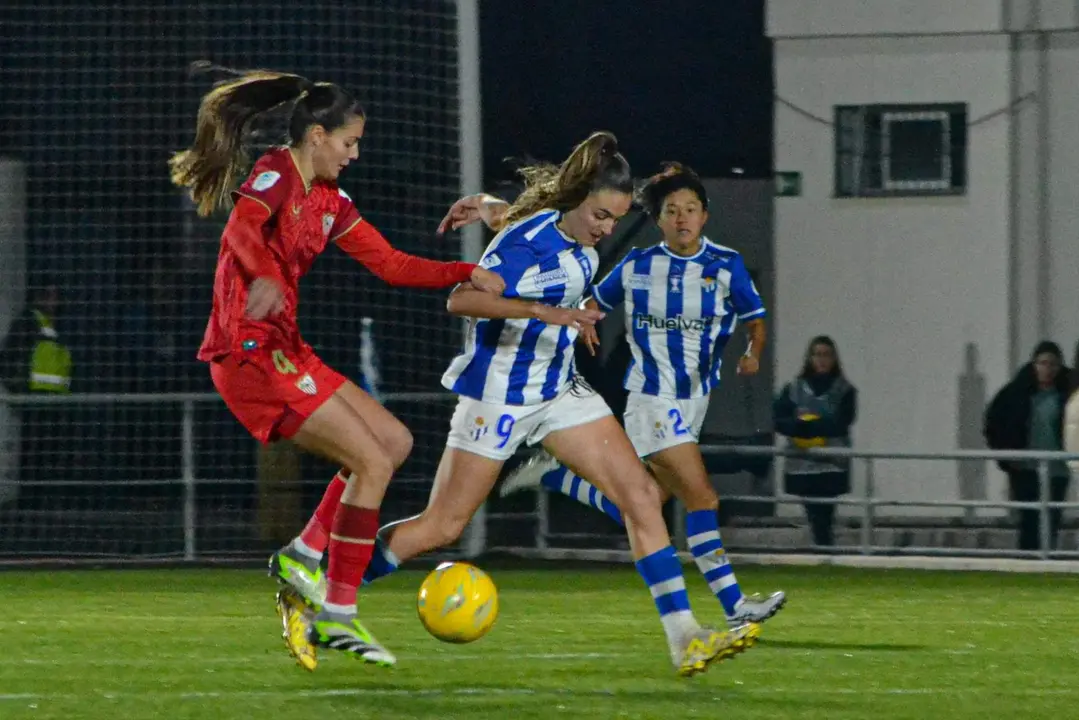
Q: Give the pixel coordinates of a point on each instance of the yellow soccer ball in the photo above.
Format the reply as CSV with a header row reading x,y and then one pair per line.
x,y
458,602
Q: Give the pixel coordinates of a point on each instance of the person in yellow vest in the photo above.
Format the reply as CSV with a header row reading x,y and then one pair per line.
x,y
32,357
34,360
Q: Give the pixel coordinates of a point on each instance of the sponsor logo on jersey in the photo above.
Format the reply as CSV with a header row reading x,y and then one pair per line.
x,y
265,180
639,282
296,209
327,224
306,384
709,284
491,261
645,322
551,277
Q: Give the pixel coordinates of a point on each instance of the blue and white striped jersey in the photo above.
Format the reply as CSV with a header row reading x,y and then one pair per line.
x,y
680,312
525,362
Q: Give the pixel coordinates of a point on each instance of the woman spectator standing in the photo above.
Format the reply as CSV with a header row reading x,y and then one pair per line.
x,y
1028,414
817,409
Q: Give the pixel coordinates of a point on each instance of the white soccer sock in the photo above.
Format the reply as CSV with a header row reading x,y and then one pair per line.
x,y
306,550
677,625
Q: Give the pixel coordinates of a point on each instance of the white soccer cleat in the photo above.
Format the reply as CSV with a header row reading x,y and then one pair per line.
x,y
757,608
529,474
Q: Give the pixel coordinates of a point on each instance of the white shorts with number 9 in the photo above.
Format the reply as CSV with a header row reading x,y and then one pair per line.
x,y
496,431
656,423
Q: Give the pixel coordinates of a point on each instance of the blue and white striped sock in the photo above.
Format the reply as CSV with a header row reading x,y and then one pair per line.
x,y
702,536
383,562
562,480
662,572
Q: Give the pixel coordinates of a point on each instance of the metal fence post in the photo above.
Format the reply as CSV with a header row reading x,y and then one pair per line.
x,y
867,508
187,469
1044,534
543,519
678,525
474,539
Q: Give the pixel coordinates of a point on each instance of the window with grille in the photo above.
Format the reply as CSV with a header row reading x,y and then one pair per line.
x,y
900,150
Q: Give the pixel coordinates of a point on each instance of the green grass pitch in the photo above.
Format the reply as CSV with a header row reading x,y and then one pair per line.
x,y
581,643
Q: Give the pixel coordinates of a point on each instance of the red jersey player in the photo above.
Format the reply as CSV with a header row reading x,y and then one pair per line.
x,y
285,214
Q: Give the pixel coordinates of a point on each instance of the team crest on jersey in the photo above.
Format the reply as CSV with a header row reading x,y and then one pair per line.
x,y
306,384
658,432
327,224
676,284
265,180
479,428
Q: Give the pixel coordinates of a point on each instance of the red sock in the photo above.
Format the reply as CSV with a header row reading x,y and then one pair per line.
x,y
351,543
317,533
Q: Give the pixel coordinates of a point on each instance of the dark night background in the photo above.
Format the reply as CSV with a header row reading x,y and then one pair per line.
x,y
93,99
687,80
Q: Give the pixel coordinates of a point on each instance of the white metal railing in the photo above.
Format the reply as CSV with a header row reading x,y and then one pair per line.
x,y
188,480
868,500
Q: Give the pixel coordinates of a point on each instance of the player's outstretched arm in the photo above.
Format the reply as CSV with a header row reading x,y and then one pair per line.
x,y
367,246
488,208
469,302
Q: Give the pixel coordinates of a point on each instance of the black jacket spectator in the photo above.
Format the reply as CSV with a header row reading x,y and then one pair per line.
x,y
1007,421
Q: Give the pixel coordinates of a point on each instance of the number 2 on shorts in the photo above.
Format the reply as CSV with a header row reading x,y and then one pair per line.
x,y
504,429
282,363
678,426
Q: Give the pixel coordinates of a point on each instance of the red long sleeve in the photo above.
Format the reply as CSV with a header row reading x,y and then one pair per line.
x,y
243,234
366,245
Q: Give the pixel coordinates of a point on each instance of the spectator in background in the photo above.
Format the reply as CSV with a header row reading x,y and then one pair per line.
x,y
1028,414
32,357
34,360
817,409
1071,415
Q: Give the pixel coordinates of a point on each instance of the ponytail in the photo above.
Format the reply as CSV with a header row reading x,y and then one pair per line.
x,y
595,164
213,164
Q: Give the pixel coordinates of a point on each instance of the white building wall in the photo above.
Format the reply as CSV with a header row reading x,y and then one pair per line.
x,y
1063,188
876,18
904,285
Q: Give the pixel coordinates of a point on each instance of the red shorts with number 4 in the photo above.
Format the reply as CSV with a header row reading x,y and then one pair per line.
x,y
272,392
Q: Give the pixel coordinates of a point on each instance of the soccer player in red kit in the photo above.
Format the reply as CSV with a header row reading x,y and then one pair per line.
x,y
284,215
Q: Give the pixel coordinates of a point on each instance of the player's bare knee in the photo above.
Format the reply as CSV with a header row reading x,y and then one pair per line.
x,y
399,445
375,469
653,494
641,502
